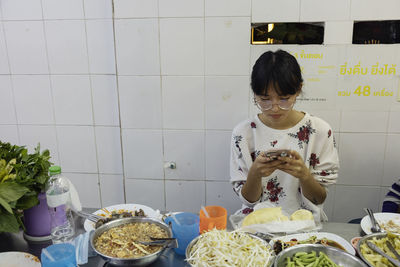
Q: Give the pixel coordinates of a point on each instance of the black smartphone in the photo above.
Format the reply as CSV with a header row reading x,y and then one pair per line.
x,y
274,154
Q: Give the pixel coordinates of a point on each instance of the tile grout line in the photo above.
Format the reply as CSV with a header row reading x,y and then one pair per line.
x,y
92,107
119,101
10,79
51,85
162,106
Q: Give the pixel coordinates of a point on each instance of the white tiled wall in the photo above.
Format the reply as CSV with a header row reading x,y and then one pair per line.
x,y
137,46
166,81
182,46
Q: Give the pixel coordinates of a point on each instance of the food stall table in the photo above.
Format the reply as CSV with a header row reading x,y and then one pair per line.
x,y
16,242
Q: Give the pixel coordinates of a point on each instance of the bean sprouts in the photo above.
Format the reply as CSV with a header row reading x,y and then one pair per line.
x,y
222,248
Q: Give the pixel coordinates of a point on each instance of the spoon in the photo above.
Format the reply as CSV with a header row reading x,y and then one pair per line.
x,y
48,255
175,219
205,211
375,228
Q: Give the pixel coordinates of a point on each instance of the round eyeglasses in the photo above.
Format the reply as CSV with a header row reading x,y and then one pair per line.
x,y
284,104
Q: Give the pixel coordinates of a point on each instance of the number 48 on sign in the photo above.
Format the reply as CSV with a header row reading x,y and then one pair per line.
x,y
366,91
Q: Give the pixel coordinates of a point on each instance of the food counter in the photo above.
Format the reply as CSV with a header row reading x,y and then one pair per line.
x,y
16,242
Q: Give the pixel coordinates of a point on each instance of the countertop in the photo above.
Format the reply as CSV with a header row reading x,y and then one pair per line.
x,y
17,242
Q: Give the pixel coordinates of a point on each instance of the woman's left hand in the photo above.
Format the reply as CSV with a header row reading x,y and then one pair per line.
x,y
295,166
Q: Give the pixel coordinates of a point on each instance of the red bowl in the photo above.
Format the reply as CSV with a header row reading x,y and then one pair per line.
x,y
354,241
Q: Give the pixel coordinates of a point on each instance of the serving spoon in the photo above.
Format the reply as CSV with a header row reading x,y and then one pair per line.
x,y
375,227
167,242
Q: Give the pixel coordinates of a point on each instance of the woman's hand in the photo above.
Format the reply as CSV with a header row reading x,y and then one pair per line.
x,y
264,166
261,167
295,166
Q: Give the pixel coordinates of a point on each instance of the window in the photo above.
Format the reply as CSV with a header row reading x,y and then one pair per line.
x,y
376,32
287,33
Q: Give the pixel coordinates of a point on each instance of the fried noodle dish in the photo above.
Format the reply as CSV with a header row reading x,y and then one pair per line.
x,y
122,241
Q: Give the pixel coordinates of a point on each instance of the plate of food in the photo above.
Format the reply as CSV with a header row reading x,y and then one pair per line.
x,y
275,220
328,239
15,258
388,221
120,211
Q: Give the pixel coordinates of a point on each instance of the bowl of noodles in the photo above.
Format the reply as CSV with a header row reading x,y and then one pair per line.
x,y
119,242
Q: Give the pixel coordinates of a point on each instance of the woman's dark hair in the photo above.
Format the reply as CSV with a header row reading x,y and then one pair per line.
x,y
277,69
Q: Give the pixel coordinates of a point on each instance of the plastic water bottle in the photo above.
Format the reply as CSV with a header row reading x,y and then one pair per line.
x,y
58,200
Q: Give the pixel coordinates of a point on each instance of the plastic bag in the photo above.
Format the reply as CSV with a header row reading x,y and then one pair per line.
x,y
276,227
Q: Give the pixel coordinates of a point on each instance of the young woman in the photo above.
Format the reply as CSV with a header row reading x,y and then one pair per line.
x,y
298,180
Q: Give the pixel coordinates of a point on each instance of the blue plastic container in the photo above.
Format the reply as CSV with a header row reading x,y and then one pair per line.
x,y
62,253
186,231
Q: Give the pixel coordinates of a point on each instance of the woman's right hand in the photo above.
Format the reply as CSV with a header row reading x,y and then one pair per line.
x,y
261,167
264,166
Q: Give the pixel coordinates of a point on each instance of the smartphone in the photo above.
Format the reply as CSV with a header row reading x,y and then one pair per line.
x,y
274,154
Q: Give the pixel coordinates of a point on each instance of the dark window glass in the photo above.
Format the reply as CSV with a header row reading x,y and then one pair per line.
x,y
287,33
376,32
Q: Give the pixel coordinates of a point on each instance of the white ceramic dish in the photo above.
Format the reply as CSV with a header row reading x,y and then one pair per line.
x,y
381,217
18,259
149,212
303,236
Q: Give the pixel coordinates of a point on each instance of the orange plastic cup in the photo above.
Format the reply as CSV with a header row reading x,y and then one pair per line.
x,y
217,218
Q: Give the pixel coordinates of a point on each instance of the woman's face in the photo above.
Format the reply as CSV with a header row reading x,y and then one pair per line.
x,y
275,108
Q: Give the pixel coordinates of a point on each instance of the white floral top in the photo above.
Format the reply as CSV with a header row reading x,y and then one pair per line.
x,y
312,138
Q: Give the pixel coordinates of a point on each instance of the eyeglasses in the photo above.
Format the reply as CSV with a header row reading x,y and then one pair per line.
x,y
284,104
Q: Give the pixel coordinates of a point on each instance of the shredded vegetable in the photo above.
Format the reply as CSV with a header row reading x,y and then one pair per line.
x,y
222,248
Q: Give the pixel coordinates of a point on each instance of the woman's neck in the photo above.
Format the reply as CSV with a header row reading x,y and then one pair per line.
x,y
292,119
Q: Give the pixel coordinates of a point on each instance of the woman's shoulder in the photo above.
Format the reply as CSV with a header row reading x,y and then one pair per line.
x,y
245,126
318,123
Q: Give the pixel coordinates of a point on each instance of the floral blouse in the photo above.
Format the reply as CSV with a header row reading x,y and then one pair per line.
x,y
312,138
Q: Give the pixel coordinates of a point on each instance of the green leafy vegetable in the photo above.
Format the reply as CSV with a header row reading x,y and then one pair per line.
x,y
22,177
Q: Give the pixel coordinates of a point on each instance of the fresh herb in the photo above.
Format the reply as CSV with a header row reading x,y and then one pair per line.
x,y
22,177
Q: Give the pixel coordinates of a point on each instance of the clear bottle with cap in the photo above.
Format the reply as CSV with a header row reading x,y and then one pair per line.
x,y
59,202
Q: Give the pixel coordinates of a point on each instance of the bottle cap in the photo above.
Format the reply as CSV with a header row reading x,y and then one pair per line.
x,y
55,170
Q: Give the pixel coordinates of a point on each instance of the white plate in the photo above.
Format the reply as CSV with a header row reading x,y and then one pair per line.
x,y
18,259
303,236
149,212
381,217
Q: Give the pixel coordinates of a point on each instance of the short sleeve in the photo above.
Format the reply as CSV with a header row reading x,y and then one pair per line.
x,y
238,167
240,161
324,160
